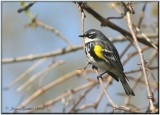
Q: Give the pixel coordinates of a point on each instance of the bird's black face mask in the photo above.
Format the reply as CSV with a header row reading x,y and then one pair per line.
x,y
88,35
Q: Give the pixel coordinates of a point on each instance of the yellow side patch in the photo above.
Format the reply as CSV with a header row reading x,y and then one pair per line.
x,y
98,51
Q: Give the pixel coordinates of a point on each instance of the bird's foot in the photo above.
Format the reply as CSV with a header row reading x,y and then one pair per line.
x,y
86,65
94,68
99,77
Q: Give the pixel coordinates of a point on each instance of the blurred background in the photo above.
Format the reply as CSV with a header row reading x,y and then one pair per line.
x,y
20,40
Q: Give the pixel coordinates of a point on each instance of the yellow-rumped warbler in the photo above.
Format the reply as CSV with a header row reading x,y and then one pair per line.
x,y
102,54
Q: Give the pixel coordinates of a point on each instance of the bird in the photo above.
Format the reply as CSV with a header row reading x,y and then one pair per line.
x,y
103,55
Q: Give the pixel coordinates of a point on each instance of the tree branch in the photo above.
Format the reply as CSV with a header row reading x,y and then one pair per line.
x,y
39,74
82,96
45,55
150,96
51,85
26,7
69,92
142,15
116,107
35,23
24,74
106,22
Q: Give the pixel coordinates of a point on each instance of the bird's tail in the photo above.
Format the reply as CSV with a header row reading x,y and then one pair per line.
x,y
125,85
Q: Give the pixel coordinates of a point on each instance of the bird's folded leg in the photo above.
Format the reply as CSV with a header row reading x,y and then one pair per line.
x,y
94,68
86,65
100,76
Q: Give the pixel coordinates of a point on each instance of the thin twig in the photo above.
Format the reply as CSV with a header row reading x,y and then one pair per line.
x,y
58,98
82,95
122,39
137,27
106,22
85,106
62,51
82,20
99,98
51,85
153,44
24,74
132,54
108,97
125,50
39,74
39,23
150,96
153,56
45,55
139,70
115,107
138,80
142,15
26,7
34,23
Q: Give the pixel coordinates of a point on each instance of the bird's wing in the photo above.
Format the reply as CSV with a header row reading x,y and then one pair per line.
x,y
111,55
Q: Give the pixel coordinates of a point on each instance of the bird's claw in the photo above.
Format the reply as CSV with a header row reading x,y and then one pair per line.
x,y
99,77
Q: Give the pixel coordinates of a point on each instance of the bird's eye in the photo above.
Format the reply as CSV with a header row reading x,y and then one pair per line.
x,y
91,35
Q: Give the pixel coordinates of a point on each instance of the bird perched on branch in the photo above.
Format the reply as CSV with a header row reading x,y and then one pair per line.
x,y
103,55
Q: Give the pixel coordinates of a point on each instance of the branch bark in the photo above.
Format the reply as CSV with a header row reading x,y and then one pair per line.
x,y
50,85
106,22
49,54
150,95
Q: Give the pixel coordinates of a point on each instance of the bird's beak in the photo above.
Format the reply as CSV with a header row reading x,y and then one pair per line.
x,y
81,36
